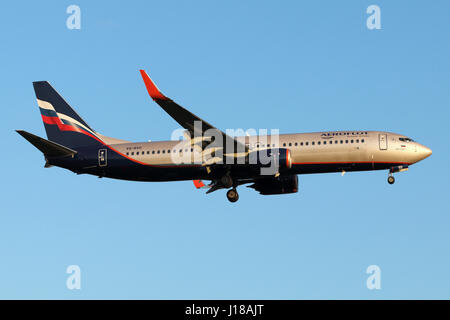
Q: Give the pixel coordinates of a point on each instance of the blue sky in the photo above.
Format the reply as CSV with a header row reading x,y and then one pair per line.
x,y
294,65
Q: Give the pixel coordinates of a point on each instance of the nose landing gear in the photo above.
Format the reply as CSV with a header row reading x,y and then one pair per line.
x,y
400,168
232,195
391,179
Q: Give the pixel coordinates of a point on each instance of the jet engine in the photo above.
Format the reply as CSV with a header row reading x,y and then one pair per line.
x,y
280,159
279,185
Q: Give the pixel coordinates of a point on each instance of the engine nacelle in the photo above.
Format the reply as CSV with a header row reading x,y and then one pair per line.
x,y
279,158
280,185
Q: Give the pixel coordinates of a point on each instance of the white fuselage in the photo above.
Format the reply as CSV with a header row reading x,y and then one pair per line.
x,y
346,147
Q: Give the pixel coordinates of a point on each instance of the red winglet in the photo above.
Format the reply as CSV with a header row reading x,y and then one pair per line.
x,y
198,184
152,89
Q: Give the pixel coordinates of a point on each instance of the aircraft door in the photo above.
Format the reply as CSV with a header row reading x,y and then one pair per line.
x,y
383,141
102,157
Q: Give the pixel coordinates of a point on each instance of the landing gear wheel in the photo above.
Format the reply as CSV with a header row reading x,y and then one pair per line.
x,y
232,195
391,179
227,181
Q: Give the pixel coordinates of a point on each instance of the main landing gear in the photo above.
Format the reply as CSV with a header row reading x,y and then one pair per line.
x,y
233,195
227,182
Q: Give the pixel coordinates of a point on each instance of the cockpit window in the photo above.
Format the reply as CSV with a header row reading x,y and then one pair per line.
x,y
406,139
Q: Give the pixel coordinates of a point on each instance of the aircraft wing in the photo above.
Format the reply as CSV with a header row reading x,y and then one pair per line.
x,y
190,121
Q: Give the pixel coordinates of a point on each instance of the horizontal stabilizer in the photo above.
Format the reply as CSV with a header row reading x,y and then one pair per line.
x,y
48,148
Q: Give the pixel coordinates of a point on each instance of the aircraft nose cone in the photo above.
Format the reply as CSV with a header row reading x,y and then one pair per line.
x,y
424,152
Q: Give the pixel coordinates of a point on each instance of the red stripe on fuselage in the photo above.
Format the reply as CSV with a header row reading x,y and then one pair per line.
x,y
347,162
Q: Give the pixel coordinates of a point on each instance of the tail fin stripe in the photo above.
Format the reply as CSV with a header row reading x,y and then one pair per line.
x,y
67,127
62,124
45,105
64,119
68,120
48,113
49,98
48,110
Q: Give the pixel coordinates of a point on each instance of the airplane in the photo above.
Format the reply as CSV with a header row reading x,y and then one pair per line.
x,y
207,153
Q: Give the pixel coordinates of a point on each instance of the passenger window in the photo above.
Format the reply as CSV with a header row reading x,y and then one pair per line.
x,y
357,140
127,153
301,143
168,151
153,151
306,143
318,143
342,141
313,143
158,152
284,144
296,144
324,142
362,140
346,141
132,153
290,144
351,141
